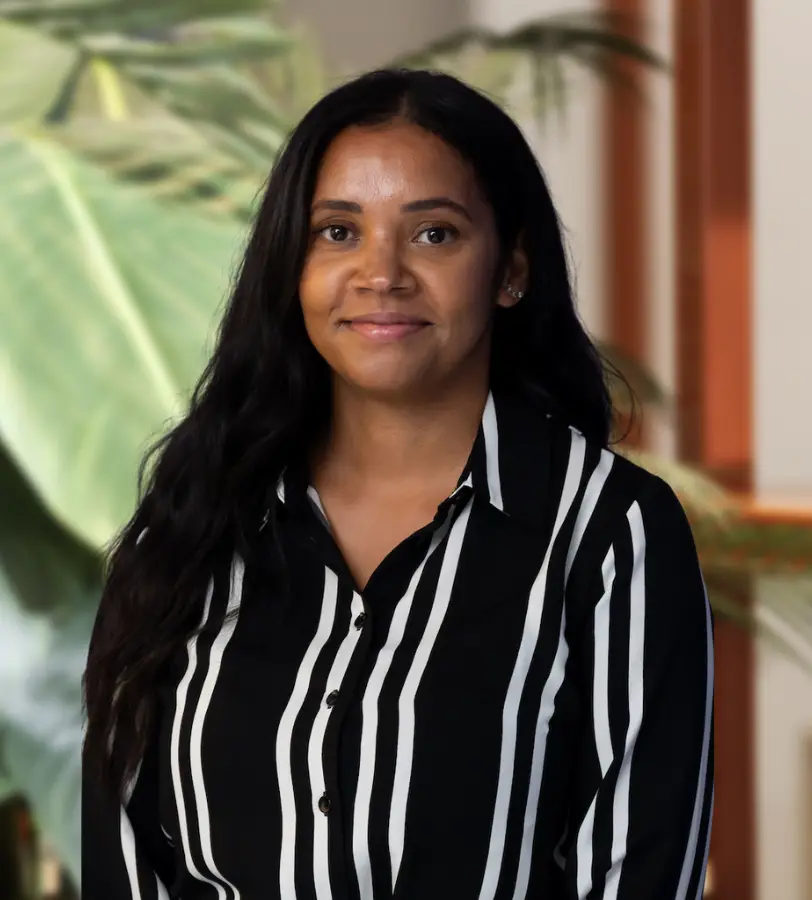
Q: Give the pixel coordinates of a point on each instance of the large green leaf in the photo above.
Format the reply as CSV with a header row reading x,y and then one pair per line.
x,y
108,299
79,18
33,67
49,588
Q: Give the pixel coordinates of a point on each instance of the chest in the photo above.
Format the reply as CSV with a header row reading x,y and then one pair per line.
x,y
367,531
351,712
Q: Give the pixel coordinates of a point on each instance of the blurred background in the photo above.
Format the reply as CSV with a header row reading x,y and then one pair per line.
x,y
134,135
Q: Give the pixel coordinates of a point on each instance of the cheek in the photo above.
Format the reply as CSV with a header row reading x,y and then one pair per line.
x,y
466,300
318,290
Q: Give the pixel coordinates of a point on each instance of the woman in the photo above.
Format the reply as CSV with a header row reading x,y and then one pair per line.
x,y
390,619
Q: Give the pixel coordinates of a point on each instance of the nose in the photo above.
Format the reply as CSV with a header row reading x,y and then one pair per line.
x,y
381,268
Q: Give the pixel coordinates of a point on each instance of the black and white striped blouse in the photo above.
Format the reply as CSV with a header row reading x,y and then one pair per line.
x,y
518,705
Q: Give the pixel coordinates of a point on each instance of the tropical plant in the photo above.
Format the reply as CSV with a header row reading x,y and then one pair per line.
x,y
133,139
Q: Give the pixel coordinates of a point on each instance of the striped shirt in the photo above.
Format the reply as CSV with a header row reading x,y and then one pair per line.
x,y
518,705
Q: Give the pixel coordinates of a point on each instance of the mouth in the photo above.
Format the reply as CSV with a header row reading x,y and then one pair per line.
x,y
385,326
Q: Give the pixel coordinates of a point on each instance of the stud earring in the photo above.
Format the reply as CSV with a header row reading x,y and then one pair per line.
x,y
517,295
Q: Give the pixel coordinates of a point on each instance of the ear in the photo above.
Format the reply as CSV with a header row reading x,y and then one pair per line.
x,y
516,277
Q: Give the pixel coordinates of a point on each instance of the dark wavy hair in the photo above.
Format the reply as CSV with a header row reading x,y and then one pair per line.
x,y
265,394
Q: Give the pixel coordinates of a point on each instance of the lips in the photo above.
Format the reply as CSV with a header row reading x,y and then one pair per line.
x,y
384,317
384,326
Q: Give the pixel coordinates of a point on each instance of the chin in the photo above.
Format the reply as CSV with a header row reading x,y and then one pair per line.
x,y
388,384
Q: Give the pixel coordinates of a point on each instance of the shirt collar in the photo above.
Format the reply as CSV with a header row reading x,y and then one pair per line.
x,y
508,465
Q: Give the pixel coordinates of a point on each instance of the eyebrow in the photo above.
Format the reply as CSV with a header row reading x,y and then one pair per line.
x,y
415,206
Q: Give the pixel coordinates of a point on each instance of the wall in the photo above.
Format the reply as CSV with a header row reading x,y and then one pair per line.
x,y
782,145
784,756
362,34
782,134
569,150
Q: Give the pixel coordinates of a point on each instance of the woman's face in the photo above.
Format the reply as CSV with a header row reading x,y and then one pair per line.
x,y
397,289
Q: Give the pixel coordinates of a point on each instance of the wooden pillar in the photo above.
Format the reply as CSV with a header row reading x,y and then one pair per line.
x,y
712,133
625,205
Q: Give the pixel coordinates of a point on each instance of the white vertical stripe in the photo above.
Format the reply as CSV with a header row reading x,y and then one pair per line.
x,y
315,749
583,851
637,623
556,677
591,496
546,710
369,714
527,647
600,693
600,720
406,702
129,846
181,696
130,852
490,432
689,862
469,482
196,739
314,496
287,883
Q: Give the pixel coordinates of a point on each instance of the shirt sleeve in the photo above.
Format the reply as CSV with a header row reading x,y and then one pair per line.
x,y
643,786
125,854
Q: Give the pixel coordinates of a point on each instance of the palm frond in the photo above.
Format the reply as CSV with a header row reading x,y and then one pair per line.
x,y
178,71
536,53
557,34
202,42
705,501
637,376
757,548
174,159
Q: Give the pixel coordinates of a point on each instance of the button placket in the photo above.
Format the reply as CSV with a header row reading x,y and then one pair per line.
x,y
332,695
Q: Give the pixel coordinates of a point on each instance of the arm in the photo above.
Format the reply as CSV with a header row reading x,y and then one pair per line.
x,y
644,778
125,855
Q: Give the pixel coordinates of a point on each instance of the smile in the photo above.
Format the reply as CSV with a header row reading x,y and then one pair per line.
x,y
384,332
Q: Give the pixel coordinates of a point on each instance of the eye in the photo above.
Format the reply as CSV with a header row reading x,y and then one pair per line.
x,y
437,234
335,234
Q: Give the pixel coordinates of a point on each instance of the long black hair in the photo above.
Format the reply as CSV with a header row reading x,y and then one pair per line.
x,y
265,391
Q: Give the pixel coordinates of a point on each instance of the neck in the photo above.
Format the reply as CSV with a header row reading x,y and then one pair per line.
x,y
400,444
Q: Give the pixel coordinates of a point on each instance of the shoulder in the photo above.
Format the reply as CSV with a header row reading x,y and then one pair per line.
x,y
625,481
613,498
628,529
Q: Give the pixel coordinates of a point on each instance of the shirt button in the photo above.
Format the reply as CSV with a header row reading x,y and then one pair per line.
x,y
324,804
359,622
332,697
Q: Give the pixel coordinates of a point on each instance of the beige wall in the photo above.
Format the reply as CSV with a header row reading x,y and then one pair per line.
x,y
569,150
783,756
362,34
782,144
782,131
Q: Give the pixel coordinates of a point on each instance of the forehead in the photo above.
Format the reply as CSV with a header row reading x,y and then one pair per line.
x,y
394,161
